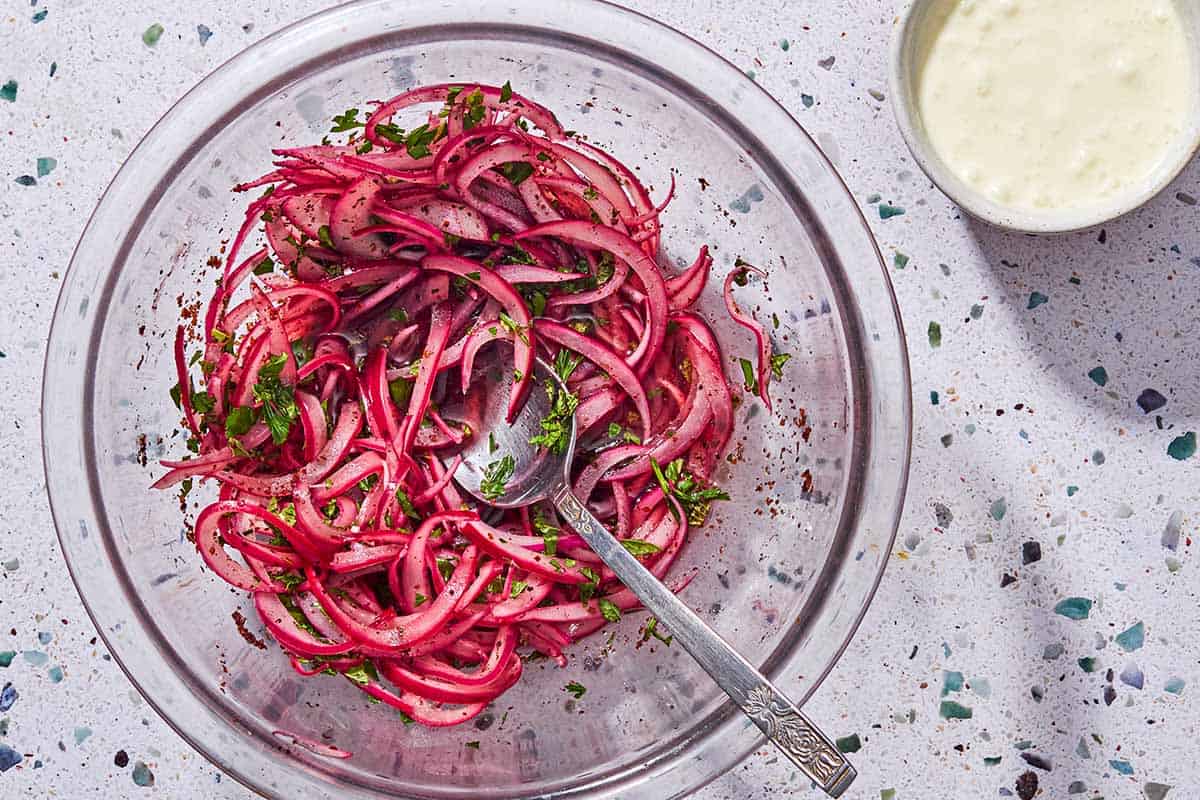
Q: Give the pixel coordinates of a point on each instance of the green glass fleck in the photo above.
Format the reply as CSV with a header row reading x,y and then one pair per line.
x,y
1132,638
935,334
999,509
1099,375
952,681
952,710
1088,664
900,260
1183,447
152,34
9,91
849,744
1036,299
45,166
887,211
1076,608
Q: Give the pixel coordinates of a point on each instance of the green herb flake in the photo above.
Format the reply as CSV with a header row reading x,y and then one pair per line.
x,y
363,674
651,630
516,171
495,476
514,327
418,140
748,375
203,402
777,362
575,689
406,503
638,547
609,610
557,424
279,408
517,588
346,121
473,745
506,92
238,421
325,237
400,390
393,133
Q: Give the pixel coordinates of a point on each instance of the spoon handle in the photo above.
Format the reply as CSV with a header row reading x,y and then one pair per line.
x,y
776,716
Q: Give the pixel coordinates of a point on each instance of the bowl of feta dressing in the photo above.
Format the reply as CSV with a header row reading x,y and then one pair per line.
x,y
1048,117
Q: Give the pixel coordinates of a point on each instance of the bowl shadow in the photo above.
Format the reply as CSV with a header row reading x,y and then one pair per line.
x,y
1113,311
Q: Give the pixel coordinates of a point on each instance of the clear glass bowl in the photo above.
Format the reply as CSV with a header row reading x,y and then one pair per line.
x,y
789,565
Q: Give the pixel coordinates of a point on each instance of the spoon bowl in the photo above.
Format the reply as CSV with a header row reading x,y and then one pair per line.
x,y
535,471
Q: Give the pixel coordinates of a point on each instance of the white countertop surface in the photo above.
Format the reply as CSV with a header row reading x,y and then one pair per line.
x,y
1029,444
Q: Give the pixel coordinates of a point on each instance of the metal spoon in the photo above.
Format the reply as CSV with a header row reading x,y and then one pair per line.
x,y
537,474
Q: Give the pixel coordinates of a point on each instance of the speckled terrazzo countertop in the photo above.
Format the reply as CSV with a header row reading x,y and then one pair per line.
x,y
1040,612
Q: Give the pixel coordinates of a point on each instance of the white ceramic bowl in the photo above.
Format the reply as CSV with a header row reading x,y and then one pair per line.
x,y
915,21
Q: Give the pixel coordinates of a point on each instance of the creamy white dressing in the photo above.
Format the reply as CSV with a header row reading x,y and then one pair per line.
x,y
1055,104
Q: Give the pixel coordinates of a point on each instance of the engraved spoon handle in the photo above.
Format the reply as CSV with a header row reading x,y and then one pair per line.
x,y
776,716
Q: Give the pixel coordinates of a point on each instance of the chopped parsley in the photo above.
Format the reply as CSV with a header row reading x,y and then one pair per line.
x,y
475,110
517,588
512,326
777,362
418,140
638,547
401,390
547,531
406,503
289,579
238,421
177,396
588,590
609,610
346,121
694,500
556,425
445,568
748,375
363,674
651,629
519,255
576,689
506,92
302,351
565,363
493,445
203,402
393,133
617,432
278,399
325,237
516,171
419,599
495,476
